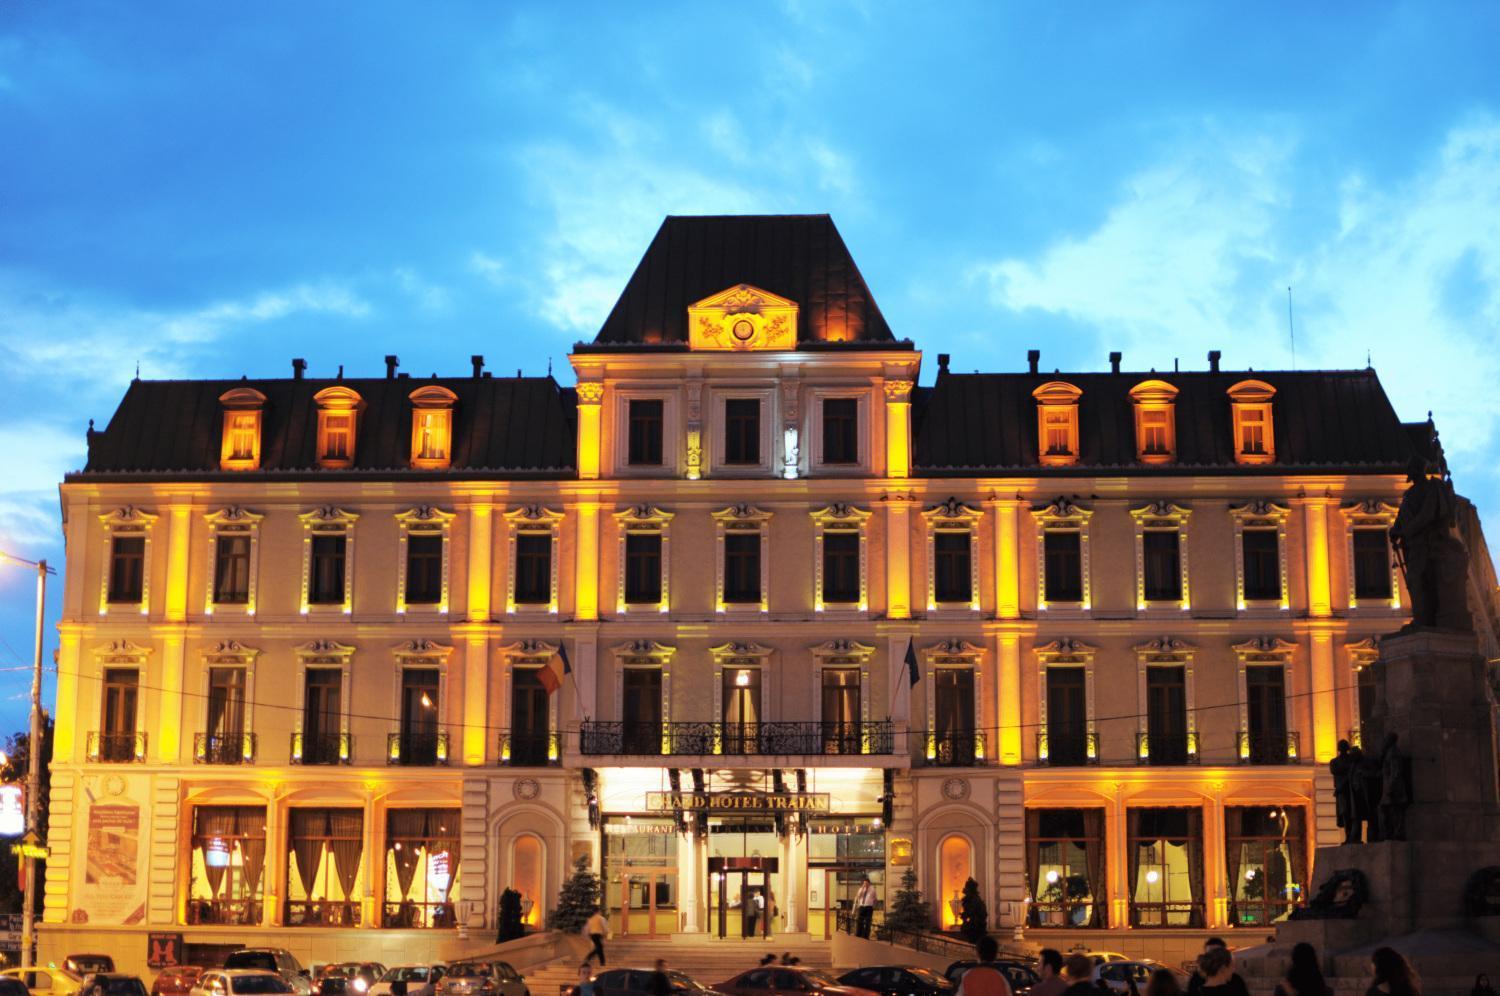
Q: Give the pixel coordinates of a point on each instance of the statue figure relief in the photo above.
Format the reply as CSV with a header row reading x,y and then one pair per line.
x,y
1429,552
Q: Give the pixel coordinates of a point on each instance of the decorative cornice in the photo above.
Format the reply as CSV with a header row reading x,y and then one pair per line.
x,y
658,652
1065,647
740,649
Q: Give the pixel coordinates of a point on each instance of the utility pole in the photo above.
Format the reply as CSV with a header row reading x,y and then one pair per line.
x,y
33,757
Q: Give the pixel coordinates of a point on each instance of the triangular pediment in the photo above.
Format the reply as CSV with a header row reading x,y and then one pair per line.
x,y
743,317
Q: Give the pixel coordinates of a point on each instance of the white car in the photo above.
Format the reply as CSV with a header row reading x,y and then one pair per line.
x,y
421,980
1117,975
1100,957
240,982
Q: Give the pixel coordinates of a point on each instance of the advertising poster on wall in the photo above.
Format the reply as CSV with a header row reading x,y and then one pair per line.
x,y
114,855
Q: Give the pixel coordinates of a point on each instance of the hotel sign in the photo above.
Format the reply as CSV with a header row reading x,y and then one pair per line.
x,y
739,802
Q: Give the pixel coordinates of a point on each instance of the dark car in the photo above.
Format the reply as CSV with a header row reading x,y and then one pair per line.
x,y
620,981
88,964
13,987
788,979
898,980
352,977
112,984
1019,974
277,960
176,980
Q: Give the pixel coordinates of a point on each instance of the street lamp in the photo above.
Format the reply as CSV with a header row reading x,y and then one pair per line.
x,y
33,754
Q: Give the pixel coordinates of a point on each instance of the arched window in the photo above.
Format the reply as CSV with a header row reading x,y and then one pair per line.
x,y
1254,435
526,876
432,427
1057,423
242,421
955,867
338,418
1155,421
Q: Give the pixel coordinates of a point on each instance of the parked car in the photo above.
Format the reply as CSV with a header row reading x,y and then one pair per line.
x,y
1100,957
279,961
788,979
633,981
11,986
241,982
52,981
418,980
898,980
354,977
176,981
1019,974
88,964
468,978
112,984
1117,975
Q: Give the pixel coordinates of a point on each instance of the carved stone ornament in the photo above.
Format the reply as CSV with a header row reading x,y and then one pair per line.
x,y
897,390
526,789
1163,645
956,789
590,392
743,318
952,508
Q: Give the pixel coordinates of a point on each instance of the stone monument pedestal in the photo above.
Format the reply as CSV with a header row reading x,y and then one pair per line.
x,y
1431,693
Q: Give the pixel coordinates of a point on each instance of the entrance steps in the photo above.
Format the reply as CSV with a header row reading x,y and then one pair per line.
x,y
706,957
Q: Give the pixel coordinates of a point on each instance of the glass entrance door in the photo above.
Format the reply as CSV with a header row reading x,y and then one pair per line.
x,y
745,904
648,902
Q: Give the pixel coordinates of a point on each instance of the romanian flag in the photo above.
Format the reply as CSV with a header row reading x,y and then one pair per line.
x,y
552,673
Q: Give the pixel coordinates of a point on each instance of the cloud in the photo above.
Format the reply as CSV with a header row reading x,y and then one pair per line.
x,y
491,269
37,455
428,296
1199,248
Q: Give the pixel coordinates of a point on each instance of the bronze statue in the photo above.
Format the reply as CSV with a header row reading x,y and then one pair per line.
x,y
1395,791
1429,552
1342,769
1369,777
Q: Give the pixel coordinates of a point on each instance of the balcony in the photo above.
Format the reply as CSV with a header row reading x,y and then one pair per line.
x,y
415,916
322,913
1166,749
416,750
1274,747
527,749
322,748
117,748
224,748
747,739
954,749
224,912
1067,750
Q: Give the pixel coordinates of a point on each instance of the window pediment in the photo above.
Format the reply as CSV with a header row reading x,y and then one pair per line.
x,y
230,652
534,517
742,513
1265,650
128,517
840,513
421,651
529,652
842,652
743,318
644,653
1161,514
953,652
324,652
1061,512
953,512
122,652
1065,651
644,515
1165,650
1260,513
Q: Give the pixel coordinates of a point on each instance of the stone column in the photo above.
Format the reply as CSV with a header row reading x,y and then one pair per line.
x,y
590,440
898,556
586,562
1009,742
480,569
898,428
477,735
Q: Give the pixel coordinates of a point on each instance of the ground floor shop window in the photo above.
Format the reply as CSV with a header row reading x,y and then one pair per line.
x,y
421,868
1165,851
1265,855
841,852
325,848
640,875
1065,867
228,865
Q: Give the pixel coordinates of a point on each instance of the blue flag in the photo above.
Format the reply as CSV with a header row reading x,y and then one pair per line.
x,y
912,674
562,651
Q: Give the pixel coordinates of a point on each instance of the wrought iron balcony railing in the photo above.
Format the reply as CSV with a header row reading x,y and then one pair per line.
x,y
1164,749
1067,750
224,748
416,750
117,748
1274,747
604,737
954,749
322,913
527,749
322,748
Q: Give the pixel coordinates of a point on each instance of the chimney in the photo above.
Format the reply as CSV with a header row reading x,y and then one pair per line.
x,y
943,363
1033,358
299,367
391,362
1213,360
478,362
1114,362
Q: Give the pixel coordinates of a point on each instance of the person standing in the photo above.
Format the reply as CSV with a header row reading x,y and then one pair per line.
x,y
864,905
1049,964
1305,976
1394,975
585,985
596,928
1163,983
1078,970
1216,966
984,979
661,985
1342,770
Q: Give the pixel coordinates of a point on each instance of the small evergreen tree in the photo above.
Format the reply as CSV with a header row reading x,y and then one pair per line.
x,y
511,926
909,911
973,915
578,901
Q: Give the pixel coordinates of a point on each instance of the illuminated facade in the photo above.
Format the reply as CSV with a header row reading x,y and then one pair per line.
x,y
303,691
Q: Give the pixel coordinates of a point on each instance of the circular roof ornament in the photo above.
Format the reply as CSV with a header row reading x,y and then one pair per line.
x,y
743,330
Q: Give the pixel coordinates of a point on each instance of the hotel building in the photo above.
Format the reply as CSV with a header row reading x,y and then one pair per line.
x,y
1087,638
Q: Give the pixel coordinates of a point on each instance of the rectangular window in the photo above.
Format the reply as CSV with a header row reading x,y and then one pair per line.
x,y
432,434
1265,855
1063,553
1372,564
1059,432
1253,431
117,738
954,738
742,431
534,568
1165,855
841,430
1364,681
324,869
323,716
1162,564
952,572
530,718
419,715
645,432
841,567
424,568
1166,714
232,570
641,710
226,703
1154,440
1069,872
1265,712
338,436
742,568
841,710
127,566
421,845
1067,716
326,581
643,568
228,864
741,698
243,430
1262,556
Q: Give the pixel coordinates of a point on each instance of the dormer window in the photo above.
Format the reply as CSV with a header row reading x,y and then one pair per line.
x,y
432,427
1254,435
338,417
1155,421
243,407
1057,423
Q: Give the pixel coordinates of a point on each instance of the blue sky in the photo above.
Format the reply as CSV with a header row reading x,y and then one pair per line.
x,y
210,190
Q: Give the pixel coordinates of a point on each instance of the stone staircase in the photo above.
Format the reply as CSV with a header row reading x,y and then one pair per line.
x,y
706,958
